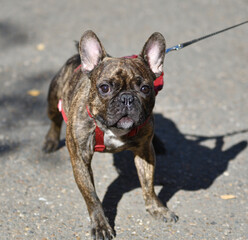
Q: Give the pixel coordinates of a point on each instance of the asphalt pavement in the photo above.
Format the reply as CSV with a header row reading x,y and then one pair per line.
x,y
201,117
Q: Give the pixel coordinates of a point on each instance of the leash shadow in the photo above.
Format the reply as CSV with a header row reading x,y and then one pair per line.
x,y
187,165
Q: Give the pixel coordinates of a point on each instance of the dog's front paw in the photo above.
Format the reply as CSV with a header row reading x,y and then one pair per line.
x,y
160,212
101,229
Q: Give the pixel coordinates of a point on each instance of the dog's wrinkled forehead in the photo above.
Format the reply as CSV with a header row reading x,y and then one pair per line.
x,y
122,69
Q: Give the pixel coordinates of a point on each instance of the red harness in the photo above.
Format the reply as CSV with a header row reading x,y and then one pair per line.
x,y
99,134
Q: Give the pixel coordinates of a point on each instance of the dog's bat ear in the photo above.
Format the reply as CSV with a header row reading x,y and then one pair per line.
x,y
154,51
91,51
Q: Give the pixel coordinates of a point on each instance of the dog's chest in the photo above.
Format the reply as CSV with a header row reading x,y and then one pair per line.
x,y
112,141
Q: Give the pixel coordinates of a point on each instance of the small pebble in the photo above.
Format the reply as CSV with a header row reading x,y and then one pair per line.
x,y
40,47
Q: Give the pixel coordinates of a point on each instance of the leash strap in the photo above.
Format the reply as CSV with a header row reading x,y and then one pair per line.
x,y
185,44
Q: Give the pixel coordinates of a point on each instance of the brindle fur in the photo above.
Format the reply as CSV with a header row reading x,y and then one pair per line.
x,y
80,89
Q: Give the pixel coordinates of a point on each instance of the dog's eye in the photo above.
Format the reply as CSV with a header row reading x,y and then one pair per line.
x,y
104,88
145,89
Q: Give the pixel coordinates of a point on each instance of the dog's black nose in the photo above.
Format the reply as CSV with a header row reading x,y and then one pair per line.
x,y
127,99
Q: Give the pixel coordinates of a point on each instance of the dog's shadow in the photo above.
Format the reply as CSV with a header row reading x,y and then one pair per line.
x,y
187,165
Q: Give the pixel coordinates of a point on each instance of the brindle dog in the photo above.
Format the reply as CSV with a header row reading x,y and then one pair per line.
x,y
117,96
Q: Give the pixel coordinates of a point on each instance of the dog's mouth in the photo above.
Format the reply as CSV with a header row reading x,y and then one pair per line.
x,y
125,122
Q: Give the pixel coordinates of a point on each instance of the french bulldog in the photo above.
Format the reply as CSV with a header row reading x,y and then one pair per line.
x,y
107,103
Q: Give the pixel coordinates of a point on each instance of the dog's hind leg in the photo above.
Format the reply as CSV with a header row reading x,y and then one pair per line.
x,y
53,135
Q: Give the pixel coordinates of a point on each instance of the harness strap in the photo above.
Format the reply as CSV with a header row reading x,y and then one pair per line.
x,y
62,111
159,83
99,136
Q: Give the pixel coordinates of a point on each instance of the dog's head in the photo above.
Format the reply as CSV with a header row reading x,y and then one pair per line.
x,y
122,93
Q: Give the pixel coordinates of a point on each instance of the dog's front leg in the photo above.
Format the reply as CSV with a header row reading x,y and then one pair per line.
x,y
145,164
81,164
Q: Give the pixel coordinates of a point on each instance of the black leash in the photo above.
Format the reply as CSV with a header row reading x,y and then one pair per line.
x,y
185,44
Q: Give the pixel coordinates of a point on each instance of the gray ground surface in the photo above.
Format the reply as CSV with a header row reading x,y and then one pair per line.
x,y
205,95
